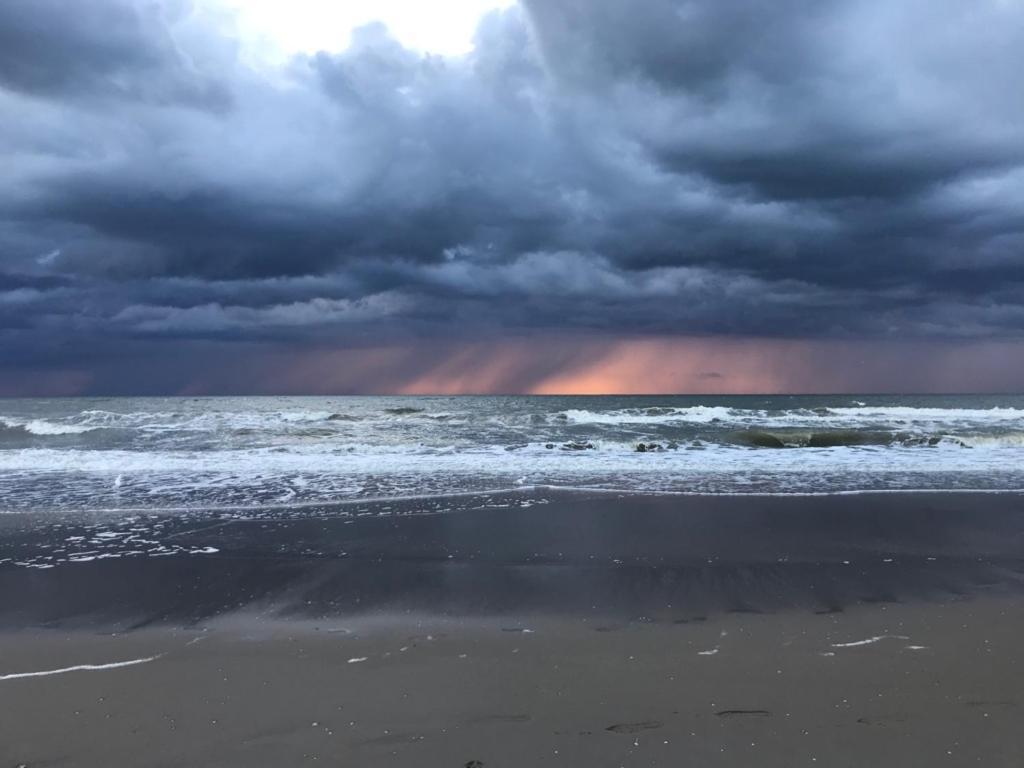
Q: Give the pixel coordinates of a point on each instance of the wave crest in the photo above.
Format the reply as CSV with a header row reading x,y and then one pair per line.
x,y
43,428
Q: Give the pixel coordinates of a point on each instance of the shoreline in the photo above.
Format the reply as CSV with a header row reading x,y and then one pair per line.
x,y
212,510
560,552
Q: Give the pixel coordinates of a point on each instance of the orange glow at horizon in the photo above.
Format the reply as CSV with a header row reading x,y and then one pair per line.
x,y
597,366
703,366
684,365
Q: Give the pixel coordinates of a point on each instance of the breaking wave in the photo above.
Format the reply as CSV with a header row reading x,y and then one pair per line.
x,y
175,451
655,415
860,415
42,428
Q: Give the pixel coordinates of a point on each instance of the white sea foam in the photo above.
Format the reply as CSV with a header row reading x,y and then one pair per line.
x,y
820,417
869,641
907,413
226,452
1006,440
697,414
38,478
525,463
43,427
80,668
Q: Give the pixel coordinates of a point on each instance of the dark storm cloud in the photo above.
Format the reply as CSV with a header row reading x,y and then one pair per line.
x,y
115,48
832,169
804,100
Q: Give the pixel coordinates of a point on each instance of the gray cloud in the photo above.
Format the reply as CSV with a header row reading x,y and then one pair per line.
x,y
114,49
835,169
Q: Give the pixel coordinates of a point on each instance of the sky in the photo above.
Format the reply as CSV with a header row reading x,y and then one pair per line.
x,y
307,196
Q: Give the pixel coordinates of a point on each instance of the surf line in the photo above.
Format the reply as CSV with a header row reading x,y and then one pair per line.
x,y
869,641
80,668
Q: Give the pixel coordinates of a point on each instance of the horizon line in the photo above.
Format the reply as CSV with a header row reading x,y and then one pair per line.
x,y
522,394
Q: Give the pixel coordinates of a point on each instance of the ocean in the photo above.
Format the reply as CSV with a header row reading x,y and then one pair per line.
x,y
152,454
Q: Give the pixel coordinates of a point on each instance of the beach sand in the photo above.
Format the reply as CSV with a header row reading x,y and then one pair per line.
x,y
530,629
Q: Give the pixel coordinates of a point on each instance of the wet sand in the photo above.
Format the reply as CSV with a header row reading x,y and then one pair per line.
x,y
539,628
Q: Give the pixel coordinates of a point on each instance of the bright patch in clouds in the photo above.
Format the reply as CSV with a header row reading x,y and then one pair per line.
x,y
284,27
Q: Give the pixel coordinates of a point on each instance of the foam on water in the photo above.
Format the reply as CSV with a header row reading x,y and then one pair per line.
x,y
835,416
43,427
699,414
184,452
81,668
869,641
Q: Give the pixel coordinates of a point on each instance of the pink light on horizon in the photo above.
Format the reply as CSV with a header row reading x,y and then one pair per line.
x,y
561,364
555,364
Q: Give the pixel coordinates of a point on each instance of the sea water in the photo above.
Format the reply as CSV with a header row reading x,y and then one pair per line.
x,y
181,453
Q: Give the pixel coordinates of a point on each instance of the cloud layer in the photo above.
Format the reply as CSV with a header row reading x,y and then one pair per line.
x,y
840,170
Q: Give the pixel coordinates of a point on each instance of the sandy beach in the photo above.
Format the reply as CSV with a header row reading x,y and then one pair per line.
x,y
539,628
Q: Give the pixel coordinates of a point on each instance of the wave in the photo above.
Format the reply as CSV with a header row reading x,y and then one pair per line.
x,y
840,438
1004,440
159,422
213,421
740,451
910,413
46,479
704,414
12,431
343,417
853,416
41,427
252,450
421,424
